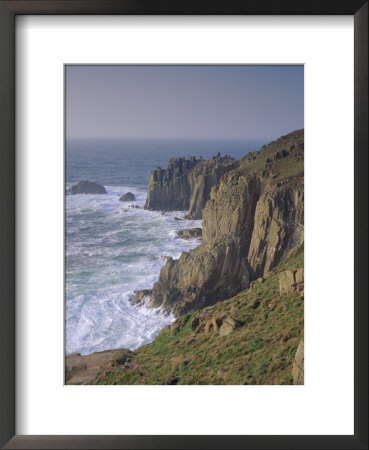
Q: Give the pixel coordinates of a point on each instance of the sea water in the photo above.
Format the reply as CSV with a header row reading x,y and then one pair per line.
x,y
113,249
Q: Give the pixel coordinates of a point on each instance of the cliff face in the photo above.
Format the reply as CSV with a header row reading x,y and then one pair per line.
x,y
231,208
279,226
202,276
201,180
252,221
186,184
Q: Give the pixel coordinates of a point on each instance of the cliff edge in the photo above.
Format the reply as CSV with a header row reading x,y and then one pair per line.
x,y
185,184
252,221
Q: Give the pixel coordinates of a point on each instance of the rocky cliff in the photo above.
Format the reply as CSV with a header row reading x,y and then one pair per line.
x,y
255,337
185,184
253,220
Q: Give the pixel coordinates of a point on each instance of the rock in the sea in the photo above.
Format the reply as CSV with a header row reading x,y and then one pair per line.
x,y
87,187
127,197
133,206
190,233
298,365
141,296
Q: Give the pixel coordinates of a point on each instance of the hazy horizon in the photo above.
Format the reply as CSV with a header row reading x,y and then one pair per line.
x,y
171,102
165,138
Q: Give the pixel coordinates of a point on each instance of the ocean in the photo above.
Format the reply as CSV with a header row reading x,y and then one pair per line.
x,y
112,249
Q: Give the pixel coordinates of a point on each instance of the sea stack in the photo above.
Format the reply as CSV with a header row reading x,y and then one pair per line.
x,y
185,184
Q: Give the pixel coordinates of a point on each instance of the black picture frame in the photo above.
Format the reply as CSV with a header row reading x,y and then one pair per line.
x,y
8,11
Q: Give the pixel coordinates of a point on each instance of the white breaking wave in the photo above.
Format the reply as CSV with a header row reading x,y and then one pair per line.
x,y
111,250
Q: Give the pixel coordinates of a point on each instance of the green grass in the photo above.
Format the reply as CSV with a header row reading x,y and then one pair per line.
x,y
260,351
290,166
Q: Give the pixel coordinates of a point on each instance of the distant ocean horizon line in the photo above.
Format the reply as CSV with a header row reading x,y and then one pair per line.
x,y
186,138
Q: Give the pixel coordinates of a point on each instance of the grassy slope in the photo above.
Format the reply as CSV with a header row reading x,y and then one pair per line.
x,y
261,351
290,166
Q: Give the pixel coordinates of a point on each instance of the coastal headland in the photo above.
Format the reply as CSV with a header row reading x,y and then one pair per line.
x,y
238,296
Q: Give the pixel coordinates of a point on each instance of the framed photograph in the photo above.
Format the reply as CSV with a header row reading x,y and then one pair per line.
x,y
160,164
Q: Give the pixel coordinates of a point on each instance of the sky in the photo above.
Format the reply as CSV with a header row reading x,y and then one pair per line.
x,y
194,102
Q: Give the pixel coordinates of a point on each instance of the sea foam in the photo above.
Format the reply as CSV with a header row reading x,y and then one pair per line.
x,y
111,250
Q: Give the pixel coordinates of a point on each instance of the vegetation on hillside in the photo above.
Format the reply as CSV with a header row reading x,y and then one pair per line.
x,y
259,349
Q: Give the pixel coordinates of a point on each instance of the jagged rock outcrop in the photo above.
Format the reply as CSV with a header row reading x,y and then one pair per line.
x,y
253,220
191,233
141,296
221,323
185,185
86,187
202,276
226,262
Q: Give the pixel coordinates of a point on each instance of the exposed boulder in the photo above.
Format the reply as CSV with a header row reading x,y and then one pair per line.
x,y
190,233
298,365
286,282
86,187
221,323
291,281
127,197
255,283
299,275
227,326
